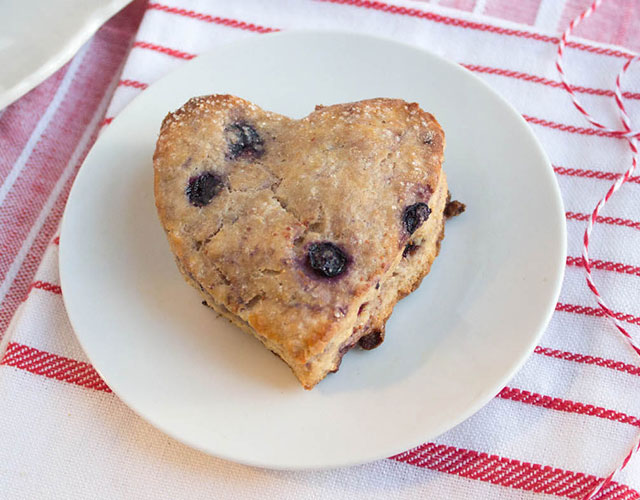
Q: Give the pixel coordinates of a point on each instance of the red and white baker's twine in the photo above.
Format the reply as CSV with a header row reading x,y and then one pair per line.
x,y
631,137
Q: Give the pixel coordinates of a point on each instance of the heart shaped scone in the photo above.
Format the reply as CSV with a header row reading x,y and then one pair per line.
x,y
304,233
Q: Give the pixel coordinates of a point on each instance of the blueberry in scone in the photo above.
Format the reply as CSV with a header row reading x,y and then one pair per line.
x,y
243,141
415,215
304,233
202,188
327,259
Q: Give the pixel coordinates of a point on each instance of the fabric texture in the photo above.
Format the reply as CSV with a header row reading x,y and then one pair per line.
x,y
566,419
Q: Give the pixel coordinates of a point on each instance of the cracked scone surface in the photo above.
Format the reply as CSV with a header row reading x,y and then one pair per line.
x,y
304,233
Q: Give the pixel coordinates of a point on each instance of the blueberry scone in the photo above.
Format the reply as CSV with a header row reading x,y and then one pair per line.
x,y
304,233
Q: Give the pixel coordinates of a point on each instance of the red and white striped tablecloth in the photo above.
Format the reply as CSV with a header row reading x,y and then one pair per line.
x,y
566,419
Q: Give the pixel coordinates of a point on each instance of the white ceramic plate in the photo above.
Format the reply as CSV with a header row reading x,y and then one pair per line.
x,y
38,36
450,346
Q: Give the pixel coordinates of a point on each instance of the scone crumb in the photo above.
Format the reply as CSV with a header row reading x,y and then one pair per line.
x,y
454,208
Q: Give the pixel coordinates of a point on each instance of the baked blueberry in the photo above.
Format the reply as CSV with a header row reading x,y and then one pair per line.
x,y
326,259
415,215
371,340
410,249
201,189
244,141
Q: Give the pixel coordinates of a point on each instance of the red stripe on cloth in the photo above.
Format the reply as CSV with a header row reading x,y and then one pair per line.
x,y
614,22
509,472
465,463
24,277
569,128
605,265
20,248
566,405
53,366
164,50
69,370
51,155
41,362
544,81
46,286
75,372
466,5
232,23
613,221
462,23
524,11
592,174
133,83
596,311
588,360
24,201
19,120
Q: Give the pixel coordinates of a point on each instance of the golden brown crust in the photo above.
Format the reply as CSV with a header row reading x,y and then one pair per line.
x,y
406,278
343,174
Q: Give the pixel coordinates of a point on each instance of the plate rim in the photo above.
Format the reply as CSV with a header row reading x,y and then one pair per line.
x,y
480,402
